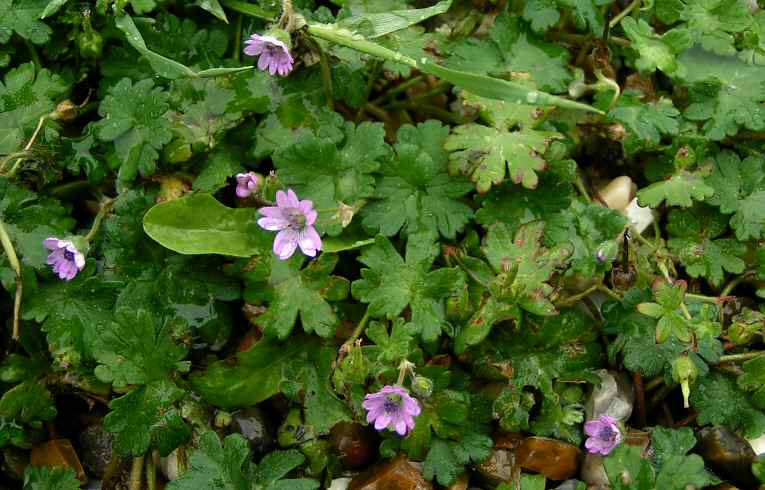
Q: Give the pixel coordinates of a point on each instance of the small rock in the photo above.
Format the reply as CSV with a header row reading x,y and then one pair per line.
x,y
58,452
339,484
614,397
396,474
96,444
617,193
500,467
593,473
355,444
639,217
728,455
758,445
554,459
568,485
253,426
723,486
169,465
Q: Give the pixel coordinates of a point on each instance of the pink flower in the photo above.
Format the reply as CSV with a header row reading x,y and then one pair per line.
x,y
246,184
64,259
392,408
274,55
294,220
604,435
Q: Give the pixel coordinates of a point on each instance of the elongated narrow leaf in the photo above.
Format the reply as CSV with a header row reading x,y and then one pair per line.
x,y
165,67
376,25
199,224
52,8
485,86
213,6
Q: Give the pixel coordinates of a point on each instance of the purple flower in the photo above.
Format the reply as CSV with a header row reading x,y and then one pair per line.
x,y
64,258
246,184
392,408
294,220
274,55
604,435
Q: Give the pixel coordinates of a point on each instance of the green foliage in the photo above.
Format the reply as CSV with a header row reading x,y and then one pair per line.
x,y
740,189
510,145
146,417
228,466
695,240
25,96
50,477
461,204
133,118
391,283
416,192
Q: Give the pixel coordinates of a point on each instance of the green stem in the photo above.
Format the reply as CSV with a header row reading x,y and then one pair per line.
x,y
136,471
326,76
735,282
612,85
741,357
624,13
639,237
437,90
701,297
106,206
151,471
579,184
401,87
31,142
238,38
571,300
249,9
606,290
358,330
10,252
33,54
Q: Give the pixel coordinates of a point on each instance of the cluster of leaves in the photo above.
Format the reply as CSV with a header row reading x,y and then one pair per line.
x,y
456,154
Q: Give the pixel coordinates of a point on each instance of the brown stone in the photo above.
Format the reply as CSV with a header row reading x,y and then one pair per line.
x,y
723,486
396,474
354,443
507,440
500,467
58,452
554,459
728,454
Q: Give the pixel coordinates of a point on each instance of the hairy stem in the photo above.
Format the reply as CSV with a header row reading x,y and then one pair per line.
x,y
106,206
741,357
10,252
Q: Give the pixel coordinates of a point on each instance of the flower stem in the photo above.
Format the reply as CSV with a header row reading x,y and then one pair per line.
x,y
346,347
624,13
579,184
326,76
31,142
5,240
106,206
735,282
136,470
741,357
702,298
401,87
249,9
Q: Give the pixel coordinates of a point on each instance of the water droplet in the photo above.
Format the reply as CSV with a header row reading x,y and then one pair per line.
x,y
532,97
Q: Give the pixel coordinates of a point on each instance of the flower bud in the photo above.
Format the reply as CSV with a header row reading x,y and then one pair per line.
x,y
685,157
685,372
66,111
606,251
422,386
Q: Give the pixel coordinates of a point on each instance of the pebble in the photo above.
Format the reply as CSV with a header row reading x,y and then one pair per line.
x,y
355,444
395,474
614,397
58,452
252,424
500,467
96,444
728,455
557,460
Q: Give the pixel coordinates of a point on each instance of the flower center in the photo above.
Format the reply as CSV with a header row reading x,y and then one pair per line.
x,y
606,433
296,218
392,403
68,255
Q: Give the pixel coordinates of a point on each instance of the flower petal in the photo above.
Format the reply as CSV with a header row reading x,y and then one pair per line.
x,y
285,243
281,199
382,421
292,199
401,428
272,212
273,224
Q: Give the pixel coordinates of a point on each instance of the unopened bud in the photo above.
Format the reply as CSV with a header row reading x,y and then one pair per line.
x,y
685,372
65,111
422,386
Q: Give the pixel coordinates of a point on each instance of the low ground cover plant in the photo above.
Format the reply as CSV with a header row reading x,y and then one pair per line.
x,y
376,244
